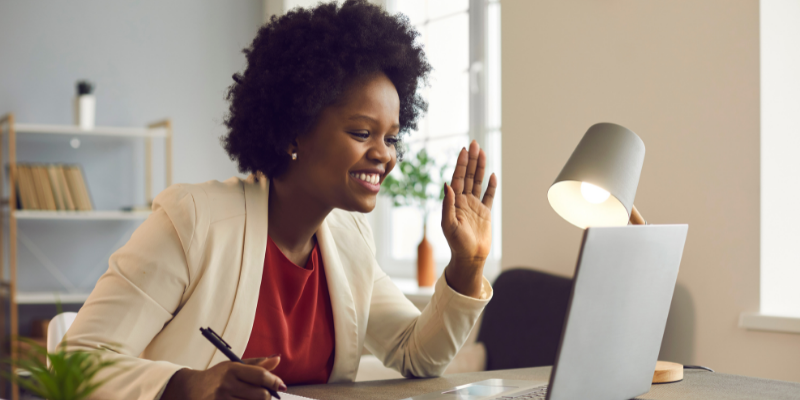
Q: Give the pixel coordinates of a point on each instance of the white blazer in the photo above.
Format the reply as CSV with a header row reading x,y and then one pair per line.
x,y
197,262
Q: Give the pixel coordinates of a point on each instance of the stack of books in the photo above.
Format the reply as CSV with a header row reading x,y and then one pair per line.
x,y
53,187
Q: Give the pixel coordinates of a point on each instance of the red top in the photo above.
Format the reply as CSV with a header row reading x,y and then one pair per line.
x,y
294,318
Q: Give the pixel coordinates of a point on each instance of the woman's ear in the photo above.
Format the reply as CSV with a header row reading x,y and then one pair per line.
x,y
291,149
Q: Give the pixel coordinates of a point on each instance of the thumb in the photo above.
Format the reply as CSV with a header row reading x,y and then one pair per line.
x,y
268,363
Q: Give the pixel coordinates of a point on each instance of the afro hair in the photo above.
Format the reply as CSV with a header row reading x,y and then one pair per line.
x,y
303,61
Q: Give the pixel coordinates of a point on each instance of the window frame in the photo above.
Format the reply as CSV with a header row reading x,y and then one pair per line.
x,y
488,135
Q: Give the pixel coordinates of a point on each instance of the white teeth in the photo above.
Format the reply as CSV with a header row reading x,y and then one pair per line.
x,y
369,178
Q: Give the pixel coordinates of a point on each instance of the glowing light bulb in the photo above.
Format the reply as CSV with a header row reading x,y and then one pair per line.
x,y
593,194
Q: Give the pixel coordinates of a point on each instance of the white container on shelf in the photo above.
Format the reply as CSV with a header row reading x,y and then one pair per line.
x,y
84,111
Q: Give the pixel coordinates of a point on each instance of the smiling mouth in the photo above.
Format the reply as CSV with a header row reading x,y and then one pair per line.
x,y
372,179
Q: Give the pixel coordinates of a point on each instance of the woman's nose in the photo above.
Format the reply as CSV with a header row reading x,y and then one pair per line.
x,y
380,152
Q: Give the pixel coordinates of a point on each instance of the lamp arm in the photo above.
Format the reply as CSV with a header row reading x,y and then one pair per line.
x,y
636,218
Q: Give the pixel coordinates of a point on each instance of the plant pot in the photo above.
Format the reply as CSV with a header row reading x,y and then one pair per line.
x,y
426,266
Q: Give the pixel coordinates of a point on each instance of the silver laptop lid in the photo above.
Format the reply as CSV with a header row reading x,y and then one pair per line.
x,y
618,311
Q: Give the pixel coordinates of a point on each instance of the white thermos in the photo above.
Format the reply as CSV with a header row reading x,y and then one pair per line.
x,y
85,105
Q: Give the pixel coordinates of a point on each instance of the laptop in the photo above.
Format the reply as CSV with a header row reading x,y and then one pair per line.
x,y
615,321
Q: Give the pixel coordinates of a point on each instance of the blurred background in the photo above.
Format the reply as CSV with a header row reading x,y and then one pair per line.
x,y
711,87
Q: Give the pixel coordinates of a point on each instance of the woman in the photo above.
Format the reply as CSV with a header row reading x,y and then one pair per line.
x,y
282,264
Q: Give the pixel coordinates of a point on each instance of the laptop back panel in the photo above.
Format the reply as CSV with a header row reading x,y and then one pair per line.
x,y
618,310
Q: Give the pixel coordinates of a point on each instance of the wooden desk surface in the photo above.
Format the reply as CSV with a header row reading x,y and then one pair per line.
x,y
696,384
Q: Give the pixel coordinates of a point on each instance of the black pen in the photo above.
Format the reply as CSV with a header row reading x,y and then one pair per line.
x,y
225,348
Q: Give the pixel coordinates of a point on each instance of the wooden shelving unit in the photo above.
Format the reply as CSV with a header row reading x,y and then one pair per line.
x,y
81,215
8,288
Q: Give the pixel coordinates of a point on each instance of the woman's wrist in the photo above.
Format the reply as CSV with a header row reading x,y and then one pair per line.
x,y
465,277
177,384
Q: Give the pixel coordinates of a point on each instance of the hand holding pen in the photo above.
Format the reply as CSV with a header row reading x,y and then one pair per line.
x,y
248,379
225,348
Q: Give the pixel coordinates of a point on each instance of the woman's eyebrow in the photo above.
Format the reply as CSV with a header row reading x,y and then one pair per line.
x,y
370,119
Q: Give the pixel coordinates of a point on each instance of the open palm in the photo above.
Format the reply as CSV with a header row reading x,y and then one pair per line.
x,y
466,219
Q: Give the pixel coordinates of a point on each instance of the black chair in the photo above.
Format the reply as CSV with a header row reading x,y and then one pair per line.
x,y
522,324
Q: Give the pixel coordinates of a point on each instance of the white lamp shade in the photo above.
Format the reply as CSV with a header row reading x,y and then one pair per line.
x,y
609,157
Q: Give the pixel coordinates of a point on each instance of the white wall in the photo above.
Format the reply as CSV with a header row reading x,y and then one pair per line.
x,y
684,75
149,59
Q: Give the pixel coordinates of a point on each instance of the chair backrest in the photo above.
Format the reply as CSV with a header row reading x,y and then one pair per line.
x,y
522,324
57,329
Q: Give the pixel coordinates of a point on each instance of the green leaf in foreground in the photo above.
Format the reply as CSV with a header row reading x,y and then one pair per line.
x,y
71,375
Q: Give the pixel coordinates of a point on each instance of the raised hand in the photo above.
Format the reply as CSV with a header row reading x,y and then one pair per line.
x,y
467,221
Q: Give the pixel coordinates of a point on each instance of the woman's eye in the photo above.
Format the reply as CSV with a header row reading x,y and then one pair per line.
x,y
360,135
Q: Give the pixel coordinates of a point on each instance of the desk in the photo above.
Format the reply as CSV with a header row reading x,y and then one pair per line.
x,y
695,385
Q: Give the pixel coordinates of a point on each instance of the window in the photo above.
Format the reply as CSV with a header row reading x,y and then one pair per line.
x,y
780,166
461,39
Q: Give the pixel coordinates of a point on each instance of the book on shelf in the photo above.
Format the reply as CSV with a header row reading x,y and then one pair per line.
x,y
25,192
69,202
57,195
53,187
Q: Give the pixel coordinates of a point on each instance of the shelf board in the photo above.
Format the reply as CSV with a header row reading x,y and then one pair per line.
x,y
81,215
96,131
50,298
27,297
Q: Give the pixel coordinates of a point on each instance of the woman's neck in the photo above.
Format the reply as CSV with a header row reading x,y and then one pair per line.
x,y
294,218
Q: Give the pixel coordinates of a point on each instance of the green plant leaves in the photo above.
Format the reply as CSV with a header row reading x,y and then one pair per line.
x,y
415,187
70,376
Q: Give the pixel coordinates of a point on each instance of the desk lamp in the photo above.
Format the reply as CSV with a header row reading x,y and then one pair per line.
x,y
596,188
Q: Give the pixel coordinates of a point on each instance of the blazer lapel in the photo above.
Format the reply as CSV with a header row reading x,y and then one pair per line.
x,y
345,321
240,323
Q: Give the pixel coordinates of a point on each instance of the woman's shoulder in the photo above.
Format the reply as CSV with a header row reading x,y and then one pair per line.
x,y
214,199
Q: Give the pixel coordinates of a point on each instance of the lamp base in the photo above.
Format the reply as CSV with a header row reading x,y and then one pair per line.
x,y
668,372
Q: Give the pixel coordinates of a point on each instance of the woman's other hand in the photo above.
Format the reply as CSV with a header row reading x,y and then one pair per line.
x,y
467,221
227,380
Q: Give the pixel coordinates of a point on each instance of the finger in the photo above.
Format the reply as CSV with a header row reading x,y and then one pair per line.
x,y
448,208
472,164
245,391
461,169
479,171
488,197
269,363
257,376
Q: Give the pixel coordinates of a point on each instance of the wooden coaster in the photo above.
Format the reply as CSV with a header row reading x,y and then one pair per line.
x,y
667,372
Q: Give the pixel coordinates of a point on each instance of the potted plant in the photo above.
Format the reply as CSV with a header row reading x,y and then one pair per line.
x,y
416,187
70,376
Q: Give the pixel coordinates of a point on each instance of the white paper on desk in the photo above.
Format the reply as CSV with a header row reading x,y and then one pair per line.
x,y
287,396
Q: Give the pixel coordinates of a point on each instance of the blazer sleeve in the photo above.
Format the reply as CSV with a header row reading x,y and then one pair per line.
x,y
418,344
136,297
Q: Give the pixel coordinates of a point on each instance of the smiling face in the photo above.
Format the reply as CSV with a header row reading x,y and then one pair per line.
x,y
345,156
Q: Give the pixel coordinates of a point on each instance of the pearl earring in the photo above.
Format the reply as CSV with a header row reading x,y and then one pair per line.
x,y
294,156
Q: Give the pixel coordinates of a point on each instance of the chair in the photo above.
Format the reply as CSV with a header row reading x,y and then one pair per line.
x,y
522,324
57,329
